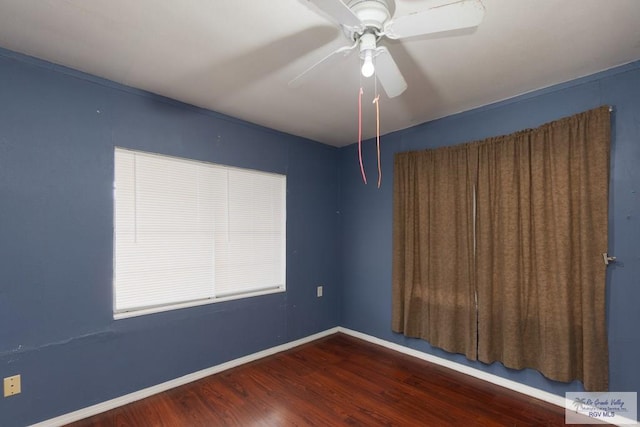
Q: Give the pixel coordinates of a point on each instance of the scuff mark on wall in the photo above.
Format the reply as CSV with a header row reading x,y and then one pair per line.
x,y
20,349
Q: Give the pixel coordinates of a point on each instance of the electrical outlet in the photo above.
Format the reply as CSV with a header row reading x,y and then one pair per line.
x,y
319,291
12,386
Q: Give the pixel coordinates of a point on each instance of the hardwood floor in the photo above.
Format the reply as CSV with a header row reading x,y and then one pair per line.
x,y
338,380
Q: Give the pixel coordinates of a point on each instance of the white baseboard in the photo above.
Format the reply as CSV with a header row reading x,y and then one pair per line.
x,y
141,394
159,388
476,373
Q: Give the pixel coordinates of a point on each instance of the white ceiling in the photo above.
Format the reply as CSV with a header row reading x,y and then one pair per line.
x,y
237,56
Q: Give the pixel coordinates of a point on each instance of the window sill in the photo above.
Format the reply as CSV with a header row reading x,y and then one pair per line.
x,y
159,309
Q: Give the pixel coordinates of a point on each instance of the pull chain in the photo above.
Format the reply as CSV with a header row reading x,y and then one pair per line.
x,y
377,102
364,176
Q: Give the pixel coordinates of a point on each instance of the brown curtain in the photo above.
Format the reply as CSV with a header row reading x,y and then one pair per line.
x,y
535,265
542,203
433,289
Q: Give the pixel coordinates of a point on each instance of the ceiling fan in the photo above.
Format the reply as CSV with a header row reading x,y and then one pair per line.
x,y
368,22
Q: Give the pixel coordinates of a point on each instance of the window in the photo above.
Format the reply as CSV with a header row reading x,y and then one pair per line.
x,y
190,233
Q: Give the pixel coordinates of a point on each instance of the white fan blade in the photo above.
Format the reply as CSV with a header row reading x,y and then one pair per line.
x,y
344,51
452,16
338,11
388,73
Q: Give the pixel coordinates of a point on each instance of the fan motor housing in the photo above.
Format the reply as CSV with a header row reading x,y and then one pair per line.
x,y
372,13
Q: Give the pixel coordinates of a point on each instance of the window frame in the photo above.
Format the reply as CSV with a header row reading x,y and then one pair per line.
x,y
122,313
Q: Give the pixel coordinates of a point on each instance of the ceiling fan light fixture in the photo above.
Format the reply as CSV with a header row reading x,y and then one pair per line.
x,y
367,48
367,67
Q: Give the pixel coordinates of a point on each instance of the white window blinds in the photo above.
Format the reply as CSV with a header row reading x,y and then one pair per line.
x,y
189,233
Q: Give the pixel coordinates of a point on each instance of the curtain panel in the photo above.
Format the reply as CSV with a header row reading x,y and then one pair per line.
x,y
532,211
433,280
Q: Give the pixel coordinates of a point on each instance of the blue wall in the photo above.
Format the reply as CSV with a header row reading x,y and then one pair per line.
x,y
367,215
58,129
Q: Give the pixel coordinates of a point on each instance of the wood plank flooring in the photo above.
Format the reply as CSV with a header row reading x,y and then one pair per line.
x,y
335,381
